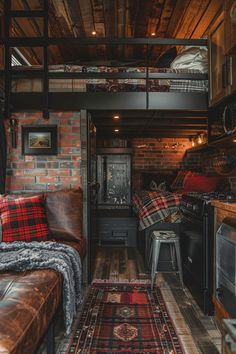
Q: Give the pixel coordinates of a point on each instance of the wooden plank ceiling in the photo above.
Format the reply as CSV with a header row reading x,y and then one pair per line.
x,y
114,18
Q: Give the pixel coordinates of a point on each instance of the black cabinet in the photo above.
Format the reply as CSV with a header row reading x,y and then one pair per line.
x,y
115,223
117,231
114,178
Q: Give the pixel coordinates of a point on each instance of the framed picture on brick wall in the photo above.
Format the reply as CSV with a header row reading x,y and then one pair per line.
x,y
39,139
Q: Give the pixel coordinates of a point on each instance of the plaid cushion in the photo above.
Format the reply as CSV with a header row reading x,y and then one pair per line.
x,y
23,219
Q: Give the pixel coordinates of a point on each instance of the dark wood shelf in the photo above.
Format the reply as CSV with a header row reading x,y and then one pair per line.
x,y
226,142
114,150
202,147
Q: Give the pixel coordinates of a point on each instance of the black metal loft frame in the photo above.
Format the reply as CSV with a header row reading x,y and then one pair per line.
x,y
47,100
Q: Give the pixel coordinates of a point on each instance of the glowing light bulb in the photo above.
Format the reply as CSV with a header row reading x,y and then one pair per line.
x,y
199,139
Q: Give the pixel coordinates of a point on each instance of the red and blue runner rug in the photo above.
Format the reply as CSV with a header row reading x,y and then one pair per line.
x,y
124,318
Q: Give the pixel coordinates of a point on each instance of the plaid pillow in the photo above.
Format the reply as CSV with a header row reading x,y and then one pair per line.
x,y
23,219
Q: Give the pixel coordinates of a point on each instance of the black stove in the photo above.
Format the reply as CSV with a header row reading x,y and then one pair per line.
x,y
197,240
197,203
229,197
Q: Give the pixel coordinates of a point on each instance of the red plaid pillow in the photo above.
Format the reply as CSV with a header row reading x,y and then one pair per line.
x,y
23,219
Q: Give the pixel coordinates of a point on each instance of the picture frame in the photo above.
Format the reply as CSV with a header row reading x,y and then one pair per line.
x,y
39,140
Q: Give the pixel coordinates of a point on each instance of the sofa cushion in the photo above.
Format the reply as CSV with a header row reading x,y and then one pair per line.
x,y
65,214
29,301
23,219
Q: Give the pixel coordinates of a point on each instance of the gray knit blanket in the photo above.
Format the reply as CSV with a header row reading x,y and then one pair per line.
x,y
21,256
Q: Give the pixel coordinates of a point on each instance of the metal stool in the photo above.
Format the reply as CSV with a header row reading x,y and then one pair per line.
x,y
157,238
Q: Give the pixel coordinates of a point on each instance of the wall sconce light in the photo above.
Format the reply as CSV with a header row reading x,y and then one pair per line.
x,y
13,130
193,142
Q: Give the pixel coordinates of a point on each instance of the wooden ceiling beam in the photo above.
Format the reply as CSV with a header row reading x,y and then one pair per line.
x,y
193,13
176,18
156,128
58,54
147,114
143,13
167,7
150,134
214,7
110,20
167,122
98,17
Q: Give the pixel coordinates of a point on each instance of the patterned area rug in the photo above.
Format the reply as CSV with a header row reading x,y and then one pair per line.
x,y
124,318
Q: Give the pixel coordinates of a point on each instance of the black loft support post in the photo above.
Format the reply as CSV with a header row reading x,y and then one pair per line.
x,y
147,76
7,58
3,152
45,62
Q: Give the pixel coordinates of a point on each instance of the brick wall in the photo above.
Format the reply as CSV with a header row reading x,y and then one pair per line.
x,y
162,154
28,173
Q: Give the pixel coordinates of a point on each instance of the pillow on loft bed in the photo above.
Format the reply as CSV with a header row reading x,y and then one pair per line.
x,y
156,181
192,58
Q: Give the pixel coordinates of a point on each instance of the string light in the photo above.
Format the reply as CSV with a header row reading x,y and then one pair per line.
x,y
199,139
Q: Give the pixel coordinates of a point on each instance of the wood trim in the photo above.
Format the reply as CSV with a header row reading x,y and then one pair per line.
x,y
220,312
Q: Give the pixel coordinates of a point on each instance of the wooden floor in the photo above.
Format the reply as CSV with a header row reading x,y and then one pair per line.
x,y
125,264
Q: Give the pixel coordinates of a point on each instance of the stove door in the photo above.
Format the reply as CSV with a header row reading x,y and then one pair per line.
x,y
194,258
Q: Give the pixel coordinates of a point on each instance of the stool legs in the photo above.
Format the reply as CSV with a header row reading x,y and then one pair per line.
x,y
172,255
155,251
178,256
154,244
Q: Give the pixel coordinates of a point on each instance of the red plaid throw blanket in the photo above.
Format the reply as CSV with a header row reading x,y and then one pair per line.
x,y
153,206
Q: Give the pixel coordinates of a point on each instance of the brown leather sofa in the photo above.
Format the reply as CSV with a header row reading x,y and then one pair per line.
x,y
29,300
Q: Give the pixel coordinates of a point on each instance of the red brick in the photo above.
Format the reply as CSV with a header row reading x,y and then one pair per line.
x,y
46,179
59,172
21,165
65,129
69,179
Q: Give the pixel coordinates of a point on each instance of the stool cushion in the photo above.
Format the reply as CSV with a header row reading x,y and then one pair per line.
x,y
164,234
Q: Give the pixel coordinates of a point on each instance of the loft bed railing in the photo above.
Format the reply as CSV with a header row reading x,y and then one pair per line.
x,y
47,100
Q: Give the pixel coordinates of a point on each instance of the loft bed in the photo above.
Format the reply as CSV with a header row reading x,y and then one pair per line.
x,y
76,87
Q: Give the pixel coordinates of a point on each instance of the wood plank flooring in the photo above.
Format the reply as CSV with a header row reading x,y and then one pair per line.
x,y
125,264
